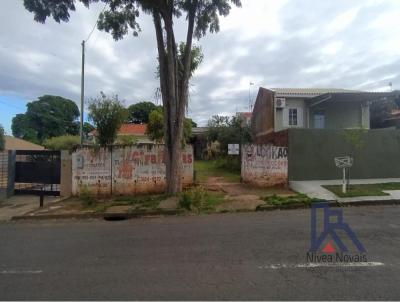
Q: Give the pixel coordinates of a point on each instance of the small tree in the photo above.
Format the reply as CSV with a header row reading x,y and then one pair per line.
x,y
2,140
107,114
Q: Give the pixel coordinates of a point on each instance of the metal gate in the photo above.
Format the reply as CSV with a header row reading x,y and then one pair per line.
x,y
37,172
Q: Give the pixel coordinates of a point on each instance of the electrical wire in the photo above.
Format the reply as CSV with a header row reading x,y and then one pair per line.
x,y
94,26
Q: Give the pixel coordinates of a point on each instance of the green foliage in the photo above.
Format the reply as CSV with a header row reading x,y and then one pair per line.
x,y
155,127
200,200
226,131
86,197
2,139
355,137
47,117
364,190
139,112
126,140
107,114
210,168
63,142
276,200
230,163
150,201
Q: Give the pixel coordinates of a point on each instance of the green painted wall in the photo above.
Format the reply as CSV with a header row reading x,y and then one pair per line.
x,y
342,115
312,151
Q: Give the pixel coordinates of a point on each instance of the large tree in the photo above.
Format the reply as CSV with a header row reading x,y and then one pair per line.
x,y
139,112
46,117
201,16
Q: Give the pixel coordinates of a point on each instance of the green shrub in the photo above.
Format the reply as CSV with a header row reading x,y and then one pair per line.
x,y
86,197
2,140
199,200
285,200
126,140
63,142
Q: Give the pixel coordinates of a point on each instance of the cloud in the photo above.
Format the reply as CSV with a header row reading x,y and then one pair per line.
x,y
349,44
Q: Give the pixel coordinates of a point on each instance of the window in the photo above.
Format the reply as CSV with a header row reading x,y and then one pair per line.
x,y
292,116
319,120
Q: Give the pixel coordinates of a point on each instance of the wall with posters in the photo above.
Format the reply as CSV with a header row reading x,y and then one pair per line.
x,y
125,170
264,165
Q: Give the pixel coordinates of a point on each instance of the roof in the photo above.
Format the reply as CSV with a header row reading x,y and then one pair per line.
x,y
354,97
308,92
132,129
244,114
129,129
199,130
13,143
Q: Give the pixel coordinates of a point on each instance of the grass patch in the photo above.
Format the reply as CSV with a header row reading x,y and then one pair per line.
x,y
364,190
276,200
215,168
140,201
199,200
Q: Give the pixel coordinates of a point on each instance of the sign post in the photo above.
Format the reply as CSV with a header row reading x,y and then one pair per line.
x,y
343,163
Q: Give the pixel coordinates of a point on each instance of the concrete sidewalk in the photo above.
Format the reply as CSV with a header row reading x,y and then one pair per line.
x,y
21,204
314,189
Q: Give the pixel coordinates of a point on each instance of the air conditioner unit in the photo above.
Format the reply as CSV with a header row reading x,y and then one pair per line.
x,y
280,102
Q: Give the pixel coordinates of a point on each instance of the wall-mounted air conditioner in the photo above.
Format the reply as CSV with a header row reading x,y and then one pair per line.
x,y
280,102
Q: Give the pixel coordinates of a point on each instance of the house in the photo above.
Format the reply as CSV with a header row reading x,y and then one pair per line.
x,y
298,133
313,108
136,131
13,143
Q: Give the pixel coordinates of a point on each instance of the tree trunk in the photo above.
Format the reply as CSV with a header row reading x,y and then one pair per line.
x,y
173,118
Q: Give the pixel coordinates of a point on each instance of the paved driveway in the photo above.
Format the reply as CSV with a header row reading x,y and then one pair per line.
x,y
20,205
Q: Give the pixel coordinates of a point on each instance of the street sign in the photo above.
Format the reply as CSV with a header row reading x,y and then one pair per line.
x,y
233,149
344,162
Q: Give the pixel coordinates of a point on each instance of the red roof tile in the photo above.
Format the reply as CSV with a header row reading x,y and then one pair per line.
x,y
130,129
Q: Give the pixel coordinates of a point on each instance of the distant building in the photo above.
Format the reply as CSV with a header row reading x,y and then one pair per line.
x,y
13,143
137,131
245,116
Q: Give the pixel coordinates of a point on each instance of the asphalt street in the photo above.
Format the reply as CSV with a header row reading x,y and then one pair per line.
x,y
226,256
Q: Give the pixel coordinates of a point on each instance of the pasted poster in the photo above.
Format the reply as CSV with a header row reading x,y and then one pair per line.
x,y
265,165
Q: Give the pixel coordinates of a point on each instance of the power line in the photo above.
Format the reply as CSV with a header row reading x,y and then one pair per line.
x,y
94,26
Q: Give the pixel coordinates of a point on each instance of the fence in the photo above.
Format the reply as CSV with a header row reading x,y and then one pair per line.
x,y
125,170
312,152
264,165
3,174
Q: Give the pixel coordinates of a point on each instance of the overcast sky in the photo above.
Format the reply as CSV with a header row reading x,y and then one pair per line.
x,y
271,43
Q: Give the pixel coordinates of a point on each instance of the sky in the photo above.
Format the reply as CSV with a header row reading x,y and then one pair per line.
x,y
287,43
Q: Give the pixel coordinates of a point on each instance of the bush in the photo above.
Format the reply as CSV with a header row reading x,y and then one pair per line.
x,y
285,200
63,142
199,200
126,140
86,197
229,163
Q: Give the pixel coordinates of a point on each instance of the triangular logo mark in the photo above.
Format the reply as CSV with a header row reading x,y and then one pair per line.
x,y
328,248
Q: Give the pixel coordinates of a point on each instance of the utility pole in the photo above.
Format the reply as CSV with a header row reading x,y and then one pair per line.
x,y
82,92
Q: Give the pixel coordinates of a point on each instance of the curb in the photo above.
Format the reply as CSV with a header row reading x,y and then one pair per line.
x,y
332,203
106,216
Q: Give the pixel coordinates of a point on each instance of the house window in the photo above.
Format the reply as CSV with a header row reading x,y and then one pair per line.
x,y
292,116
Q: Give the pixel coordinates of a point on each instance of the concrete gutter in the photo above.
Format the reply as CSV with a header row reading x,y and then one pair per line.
x,y
107,216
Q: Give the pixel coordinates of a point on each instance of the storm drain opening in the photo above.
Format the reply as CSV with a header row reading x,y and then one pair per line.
x,y
115,217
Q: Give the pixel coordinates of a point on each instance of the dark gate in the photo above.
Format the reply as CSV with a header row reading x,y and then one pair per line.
x,y
38,172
